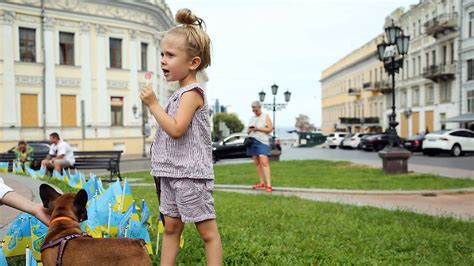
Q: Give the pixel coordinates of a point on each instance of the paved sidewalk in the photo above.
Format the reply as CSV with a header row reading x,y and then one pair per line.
x,y
25,186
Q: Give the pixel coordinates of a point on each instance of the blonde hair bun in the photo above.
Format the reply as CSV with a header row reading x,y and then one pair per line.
x,y
184,16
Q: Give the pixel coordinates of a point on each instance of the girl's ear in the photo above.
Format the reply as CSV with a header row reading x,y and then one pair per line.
x,y
195,63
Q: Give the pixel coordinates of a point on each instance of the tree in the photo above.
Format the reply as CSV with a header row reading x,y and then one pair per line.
x,y
231,120
303,124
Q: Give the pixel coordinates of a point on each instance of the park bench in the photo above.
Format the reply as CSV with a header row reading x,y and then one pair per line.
x,y
107,160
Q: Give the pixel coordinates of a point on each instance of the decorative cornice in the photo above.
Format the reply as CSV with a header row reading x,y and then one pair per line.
x,y
101,30
117,84
8,17
29,80
84,27
67,82
49,23
133,34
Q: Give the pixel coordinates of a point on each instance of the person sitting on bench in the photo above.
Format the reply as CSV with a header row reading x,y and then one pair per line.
x,y
60,154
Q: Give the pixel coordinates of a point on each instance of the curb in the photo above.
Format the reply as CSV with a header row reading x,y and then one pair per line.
x,y
337,191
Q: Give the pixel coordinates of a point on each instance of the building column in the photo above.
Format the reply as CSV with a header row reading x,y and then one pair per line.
x,y
103,100
86,75
10,111
52,108
134,89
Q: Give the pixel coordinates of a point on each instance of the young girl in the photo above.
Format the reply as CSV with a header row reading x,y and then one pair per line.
x,y
182,150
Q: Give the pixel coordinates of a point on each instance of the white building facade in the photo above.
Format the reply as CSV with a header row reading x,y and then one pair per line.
x,y
428,88
76,68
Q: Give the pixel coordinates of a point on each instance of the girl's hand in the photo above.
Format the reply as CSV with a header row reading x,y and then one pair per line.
x,y
148,96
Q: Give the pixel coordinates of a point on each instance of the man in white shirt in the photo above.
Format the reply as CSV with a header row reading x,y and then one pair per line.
x,y
60,154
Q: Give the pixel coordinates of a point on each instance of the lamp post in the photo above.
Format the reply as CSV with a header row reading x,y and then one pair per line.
x,y
274,106
391,53
144,116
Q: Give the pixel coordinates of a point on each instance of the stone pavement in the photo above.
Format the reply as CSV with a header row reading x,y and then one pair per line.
x,y
27,187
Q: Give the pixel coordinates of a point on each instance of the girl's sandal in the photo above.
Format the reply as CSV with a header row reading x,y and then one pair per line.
x,y
258,185
269,189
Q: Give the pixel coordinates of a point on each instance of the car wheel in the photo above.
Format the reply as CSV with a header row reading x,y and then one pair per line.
x,y
456,150
214,159
332,147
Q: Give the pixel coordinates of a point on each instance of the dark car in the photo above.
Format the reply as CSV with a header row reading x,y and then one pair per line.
x,y
232,147
415,143
375,142
40,147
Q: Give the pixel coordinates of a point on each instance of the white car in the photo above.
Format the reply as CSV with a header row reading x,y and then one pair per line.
x,y
334,139
456,142
354,141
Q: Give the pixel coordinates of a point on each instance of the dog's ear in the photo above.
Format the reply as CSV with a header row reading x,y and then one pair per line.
x,y
80,202
48,194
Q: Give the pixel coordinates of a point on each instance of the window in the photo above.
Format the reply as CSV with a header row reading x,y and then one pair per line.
x,y
414,67
414,29
471,21
27,45
419,65
29,110
403,98
433,56
407,67
375,73
445,91
445,50
144,53
115,53
452,53
470,101
116,109
419,26
427,57
66,48
470,69
68,110
416,96
442,117
429,94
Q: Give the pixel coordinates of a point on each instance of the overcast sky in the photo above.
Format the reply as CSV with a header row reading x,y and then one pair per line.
x,y
288,42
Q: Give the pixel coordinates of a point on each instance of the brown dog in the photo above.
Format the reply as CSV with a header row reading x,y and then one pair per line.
x,y
66,212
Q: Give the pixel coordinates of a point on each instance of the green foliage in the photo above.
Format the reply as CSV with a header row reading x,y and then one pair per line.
x,y
231,120
277,230
327,174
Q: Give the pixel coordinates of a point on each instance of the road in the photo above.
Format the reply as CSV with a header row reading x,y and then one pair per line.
x,y
460,167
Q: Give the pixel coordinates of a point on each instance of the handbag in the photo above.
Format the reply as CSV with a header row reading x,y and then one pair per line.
x,y
248,142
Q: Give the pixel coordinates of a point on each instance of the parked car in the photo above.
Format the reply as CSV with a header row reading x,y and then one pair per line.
x,y
354,141
375,142
415,143
456,142
232,147
334,139
345,142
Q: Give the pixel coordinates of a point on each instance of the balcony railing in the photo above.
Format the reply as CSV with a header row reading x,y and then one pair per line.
x,y
442,24
358,121
381,86
354,92
440,72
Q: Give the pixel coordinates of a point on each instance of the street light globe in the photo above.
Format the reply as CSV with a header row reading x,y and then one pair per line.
x,y
392,33
402,44
134,109
274,89
261,96
287,96
381,50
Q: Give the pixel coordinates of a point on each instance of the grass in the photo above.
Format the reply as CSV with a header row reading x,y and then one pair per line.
x,y
328,174
266,229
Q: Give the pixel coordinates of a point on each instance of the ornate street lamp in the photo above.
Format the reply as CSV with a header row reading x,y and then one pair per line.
x,y
144,116
391,53
274,106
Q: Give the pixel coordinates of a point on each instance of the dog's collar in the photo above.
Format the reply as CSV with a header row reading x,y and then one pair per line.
x,y
60,218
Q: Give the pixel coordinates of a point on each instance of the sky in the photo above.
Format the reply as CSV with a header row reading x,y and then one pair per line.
x,y
256,43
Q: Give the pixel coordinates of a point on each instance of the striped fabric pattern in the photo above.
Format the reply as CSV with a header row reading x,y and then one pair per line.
x,y
191,155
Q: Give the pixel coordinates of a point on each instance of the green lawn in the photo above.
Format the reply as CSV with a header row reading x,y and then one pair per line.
x,y
278,230
327,174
